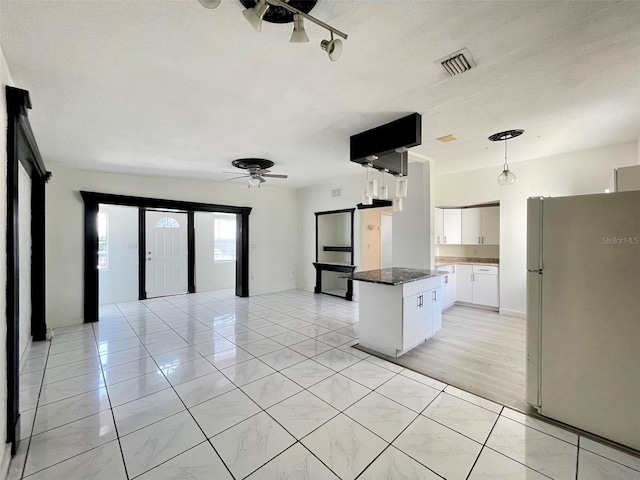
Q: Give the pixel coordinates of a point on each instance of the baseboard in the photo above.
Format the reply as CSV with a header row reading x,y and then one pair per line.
x,y
513,313
6,459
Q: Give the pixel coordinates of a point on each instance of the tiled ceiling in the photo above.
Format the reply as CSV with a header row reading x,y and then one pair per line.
x,y
171,88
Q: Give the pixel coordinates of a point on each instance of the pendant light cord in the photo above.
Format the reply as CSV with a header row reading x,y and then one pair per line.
x,y
506,166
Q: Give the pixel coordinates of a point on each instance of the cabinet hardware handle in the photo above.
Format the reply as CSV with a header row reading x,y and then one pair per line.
x,y
446,279
473,277
434,297
445,239
438,239
479,240
454,269
483,240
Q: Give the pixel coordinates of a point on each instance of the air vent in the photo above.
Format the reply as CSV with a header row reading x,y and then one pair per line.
x,y
457,63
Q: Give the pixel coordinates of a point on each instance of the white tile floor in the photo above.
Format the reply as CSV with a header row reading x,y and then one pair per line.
x,y
219,387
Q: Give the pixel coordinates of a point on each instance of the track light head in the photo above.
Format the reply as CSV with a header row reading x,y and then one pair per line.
x,y
298,35
209,3
254,15
333,48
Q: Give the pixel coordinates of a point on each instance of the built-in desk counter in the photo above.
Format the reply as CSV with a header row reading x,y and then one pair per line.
x,y
399,308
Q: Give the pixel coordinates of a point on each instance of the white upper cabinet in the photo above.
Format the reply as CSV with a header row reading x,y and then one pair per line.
x,y
471,226
452,226
439,237
491,225
481,226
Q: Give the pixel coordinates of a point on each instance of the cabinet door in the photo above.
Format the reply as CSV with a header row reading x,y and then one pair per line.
x,y
486,289
436,311
452,226
471,226
450,287
439,224
465,288
490,225
411,321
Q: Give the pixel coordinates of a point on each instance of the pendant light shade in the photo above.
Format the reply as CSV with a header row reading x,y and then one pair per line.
x,y
507,177
384,192
254,15
397,204
401,187
299,35
372,188
366,199
253,181
333,48
209,3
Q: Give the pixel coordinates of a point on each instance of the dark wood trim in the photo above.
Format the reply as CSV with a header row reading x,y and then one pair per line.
x,y
142,254
191,252
93,199
38,260
331,212
91,274
242,261
22,149
377,203
160,203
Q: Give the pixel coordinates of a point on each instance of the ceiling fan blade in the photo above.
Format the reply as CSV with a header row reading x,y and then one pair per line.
x,y
264,171
232,173
272,175
235,178
262,180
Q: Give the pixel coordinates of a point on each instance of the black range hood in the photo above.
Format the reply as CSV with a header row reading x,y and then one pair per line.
x,y
382,146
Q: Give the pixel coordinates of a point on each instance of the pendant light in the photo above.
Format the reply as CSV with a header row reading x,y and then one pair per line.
x,y
371,185
402,181
507,177
384,189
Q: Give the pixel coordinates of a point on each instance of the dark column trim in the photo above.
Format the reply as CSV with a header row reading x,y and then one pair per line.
x,y
191,252
242,261
91,274
93,199
142,254
22,148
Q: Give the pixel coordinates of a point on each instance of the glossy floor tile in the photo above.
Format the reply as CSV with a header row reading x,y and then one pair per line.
x,y
211,385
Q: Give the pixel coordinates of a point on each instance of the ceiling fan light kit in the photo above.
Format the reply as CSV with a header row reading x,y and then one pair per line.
x,y
286,11
507,177
257,169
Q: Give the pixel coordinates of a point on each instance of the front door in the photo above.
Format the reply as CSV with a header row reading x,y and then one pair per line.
x,y
166,253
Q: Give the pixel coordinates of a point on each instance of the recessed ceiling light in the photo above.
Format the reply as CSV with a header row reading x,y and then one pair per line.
x,y
447,138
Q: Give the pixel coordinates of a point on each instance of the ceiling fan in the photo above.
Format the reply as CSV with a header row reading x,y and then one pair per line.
x,y
257,170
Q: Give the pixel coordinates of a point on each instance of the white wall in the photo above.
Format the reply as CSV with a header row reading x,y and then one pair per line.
x,y
569,174
5,79
119,282
412,227
209,274
24,234
272,229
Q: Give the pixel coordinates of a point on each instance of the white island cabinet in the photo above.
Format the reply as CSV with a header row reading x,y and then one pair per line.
x,y
399,308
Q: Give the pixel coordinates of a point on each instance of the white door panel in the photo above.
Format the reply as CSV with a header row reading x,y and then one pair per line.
x,y
167,255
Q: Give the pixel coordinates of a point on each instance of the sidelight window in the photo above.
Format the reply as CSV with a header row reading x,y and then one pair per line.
x,y
224,237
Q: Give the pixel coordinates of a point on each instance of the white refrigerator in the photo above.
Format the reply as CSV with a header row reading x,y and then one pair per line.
x,y
583,312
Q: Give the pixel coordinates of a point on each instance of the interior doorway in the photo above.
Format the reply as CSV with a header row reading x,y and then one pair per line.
x,y
167,253
377,239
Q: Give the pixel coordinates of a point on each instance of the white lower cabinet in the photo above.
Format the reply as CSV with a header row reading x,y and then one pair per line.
x,y
396,318
479,285
450,294
422,315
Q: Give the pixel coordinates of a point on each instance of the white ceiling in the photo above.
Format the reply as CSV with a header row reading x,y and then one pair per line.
x,y
171,88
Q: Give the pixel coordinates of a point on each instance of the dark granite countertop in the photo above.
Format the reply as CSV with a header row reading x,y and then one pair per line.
x,y
394,275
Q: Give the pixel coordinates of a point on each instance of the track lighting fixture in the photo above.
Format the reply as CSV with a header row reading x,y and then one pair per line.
x,y
255,15
332,47
286,11
298,35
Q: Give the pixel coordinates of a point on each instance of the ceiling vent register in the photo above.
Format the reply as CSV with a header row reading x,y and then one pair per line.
x,y
457,63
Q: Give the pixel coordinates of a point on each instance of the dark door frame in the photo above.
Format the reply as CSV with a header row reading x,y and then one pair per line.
x,y
93,199
22,148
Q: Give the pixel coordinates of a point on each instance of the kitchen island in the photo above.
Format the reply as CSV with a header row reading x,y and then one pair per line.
x,y
399,308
